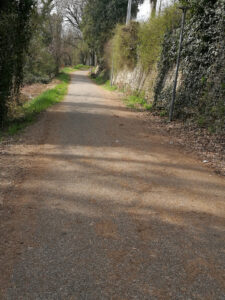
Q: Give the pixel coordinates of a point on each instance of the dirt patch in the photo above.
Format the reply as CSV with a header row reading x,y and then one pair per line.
x,y
107,229
17,212
210,148
17,208
31,91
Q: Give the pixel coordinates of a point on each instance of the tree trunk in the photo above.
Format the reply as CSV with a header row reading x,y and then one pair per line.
x,y
153,4
160,6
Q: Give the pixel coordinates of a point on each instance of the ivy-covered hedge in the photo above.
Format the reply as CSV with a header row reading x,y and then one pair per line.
x,y
201,82
201,93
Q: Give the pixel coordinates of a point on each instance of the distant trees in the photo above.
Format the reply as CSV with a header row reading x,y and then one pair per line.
x,y
57,39
43,57
74,14
37,37
74,10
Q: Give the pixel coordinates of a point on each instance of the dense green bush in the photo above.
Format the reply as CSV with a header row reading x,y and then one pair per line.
x,y
151,35
39,63
125,42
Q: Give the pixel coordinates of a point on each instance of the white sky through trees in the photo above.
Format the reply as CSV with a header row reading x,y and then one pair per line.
x,y
144,9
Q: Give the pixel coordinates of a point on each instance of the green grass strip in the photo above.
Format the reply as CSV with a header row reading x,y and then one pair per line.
x,y
68,70
135,101
104,83
81,67
31,109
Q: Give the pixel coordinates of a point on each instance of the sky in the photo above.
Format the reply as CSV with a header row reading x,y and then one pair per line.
x,y
144,9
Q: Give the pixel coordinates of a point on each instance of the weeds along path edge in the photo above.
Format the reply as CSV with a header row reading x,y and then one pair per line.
x,y
40,103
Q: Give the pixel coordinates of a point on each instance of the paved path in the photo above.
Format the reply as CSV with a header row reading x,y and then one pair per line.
x,y
112,211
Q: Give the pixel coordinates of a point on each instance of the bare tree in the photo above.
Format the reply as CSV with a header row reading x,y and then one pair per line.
x,y
74,12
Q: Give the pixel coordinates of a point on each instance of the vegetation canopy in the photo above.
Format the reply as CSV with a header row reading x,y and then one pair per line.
x,y
143,42
101,17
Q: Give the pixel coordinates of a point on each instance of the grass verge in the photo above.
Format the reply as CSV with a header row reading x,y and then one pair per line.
x,y
135,101
68,70
29,111
100,80
81,67
77,67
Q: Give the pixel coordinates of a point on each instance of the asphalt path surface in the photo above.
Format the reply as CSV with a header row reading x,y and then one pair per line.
x,y
111,210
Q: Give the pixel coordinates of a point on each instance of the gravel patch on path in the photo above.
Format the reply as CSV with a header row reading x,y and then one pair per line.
x,y
105,209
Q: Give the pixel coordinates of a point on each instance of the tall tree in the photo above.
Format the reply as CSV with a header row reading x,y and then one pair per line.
x,y
74,13
43,57
15,33
100,18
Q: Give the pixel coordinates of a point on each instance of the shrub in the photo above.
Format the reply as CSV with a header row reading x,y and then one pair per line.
x,y
39,63
81,67
125,42
143,42
151,35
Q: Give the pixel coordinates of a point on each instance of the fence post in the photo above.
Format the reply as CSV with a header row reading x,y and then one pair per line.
x,y
112,72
